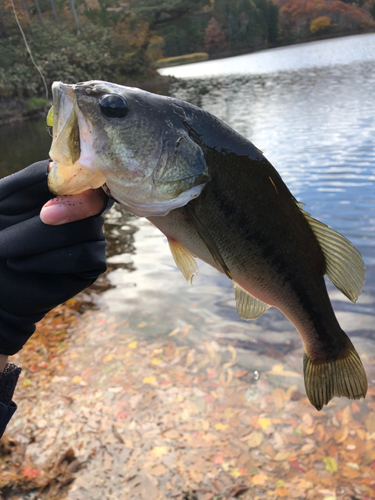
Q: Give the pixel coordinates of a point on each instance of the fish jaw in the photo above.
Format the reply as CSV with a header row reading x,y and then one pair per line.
x,y
73,169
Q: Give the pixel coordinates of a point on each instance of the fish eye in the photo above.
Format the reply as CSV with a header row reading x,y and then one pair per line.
x,y
113,106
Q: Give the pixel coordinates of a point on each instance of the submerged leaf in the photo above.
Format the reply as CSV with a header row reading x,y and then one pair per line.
x,y
330,464
255,440
149,380
264,423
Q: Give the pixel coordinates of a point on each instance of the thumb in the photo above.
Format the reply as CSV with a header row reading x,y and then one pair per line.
x,y
64,209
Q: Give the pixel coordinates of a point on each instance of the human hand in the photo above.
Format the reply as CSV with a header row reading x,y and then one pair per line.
x,y
64,209
43,264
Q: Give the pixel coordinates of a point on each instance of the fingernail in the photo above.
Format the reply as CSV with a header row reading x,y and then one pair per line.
x,y
54,215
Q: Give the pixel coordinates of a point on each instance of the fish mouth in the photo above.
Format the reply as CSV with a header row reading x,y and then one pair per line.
x,y
72,141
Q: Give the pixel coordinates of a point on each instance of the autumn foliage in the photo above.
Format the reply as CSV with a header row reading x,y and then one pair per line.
x,y
299,19
77,40
215,37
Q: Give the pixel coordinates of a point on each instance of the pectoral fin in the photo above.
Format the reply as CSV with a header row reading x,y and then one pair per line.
x,y
208,241
184,260
248,307
345,267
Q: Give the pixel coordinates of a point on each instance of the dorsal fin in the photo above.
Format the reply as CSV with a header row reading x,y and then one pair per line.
x,y
248,307
345,267
184,260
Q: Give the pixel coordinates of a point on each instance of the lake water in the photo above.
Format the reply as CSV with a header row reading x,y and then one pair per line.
x,y
311,109
316,124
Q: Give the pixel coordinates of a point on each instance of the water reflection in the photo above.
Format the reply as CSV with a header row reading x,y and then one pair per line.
x,y
23,143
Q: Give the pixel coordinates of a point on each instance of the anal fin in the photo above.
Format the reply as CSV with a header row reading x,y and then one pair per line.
x,y
184,260
341,377
248,307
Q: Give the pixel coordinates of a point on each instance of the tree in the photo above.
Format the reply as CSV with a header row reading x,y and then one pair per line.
x,y
73,9
215,38
320,24
296,17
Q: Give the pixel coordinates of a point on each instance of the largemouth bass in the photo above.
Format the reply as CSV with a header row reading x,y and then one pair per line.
x,y
216,197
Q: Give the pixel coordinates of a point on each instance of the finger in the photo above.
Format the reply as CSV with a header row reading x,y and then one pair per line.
x,y
66,209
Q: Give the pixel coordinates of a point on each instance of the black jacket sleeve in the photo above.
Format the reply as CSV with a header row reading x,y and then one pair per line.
x,y
41,266
8,381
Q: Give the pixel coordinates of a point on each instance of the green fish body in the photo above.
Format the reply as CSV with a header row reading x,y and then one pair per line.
x,y
216,197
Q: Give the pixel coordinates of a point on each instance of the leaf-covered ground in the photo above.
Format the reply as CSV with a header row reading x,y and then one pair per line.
x,y
106,413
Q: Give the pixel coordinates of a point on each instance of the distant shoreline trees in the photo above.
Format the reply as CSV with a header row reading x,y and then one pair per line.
x,y
75,40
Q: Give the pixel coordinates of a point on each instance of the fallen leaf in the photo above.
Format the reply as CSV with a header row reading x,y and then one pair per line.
x,y
235,472
296,465
220,427
196,476
355,407
281,455
255,440
264,423
133,345
142,324
370,423
31,472
240,373
259,479
237,491
279,370
190,358
171,434
345,419
229,413
159,451
330,464
149,380
341,434
174,332
185,331
77,379
233,352
279,398
282,492
319,432
156,361
352,465
159,470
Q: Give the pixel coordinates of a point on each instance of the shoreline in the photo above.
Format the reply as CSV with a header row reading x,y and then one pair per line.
x,y
15,109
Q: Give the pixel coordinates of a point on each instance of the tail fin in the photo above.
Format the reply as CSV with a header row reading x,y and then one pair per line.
x,y
340,377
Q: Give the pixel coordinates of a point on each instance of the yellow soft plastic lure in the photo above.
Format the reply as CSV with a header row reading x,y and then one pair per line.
x,y
49,119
